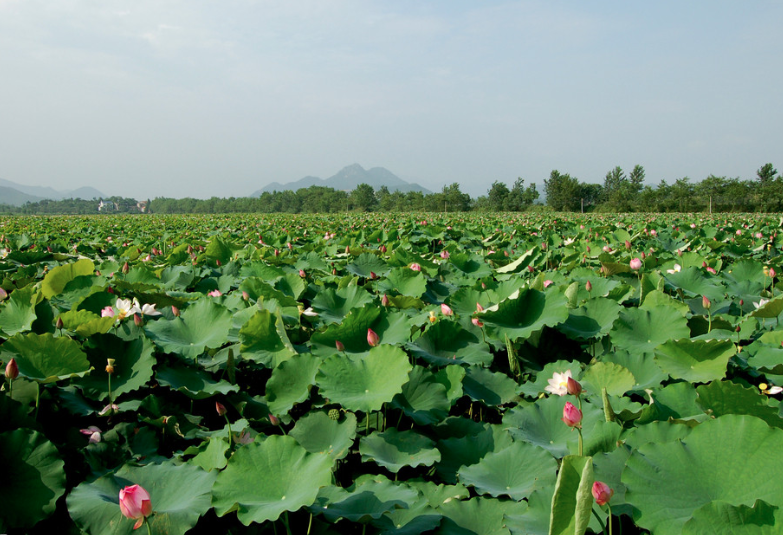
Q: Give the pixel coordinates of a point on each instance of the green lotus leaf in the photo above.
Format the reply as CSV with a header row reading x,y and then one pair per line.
x,y
177,277
491,388
194,383
747,270
261,270
334,305
615,378
391,327
133,364
470,264
479,516
657,298
366,264
33,477
368,500
463,302
364,384
726,397
720,518
44,358
697,361
17,314
446,342
405,281
535,519
212,454
260,290
468,450
693,281
765,357
642,365
180,494
436,495
572,501
290,383
639,330
57,278
531,311
537,387
515,471
264,340
655,432
95,326
423,398
593,320
419,517
311,260
318,433
770,309
451,377
204,324
394,449
404,258
265,479
704,467
520,263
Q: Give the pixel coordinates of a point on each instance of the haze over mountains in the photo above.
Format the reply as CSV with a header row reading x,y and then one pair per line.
x,y
18,194
347,179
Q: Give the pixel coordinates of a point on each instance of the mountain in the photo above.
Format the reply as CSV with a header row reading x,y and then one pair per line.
x,y
18,194
347,179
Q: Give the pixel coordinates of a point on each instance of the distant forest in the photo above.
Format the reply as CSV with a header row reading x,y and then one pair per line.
x,y
620,192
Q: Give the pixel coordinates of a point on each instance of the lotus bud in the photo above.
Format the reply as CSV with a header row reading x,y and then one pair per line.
x,y
277,252
479,308
772,272
137,319
446,310
385,300
110,366
11,370
372,338
334,271
290,247
383,248
602,492
444,254
587,248
274,420
573,387
339,345
59,323
705,302
175,311
415,267
643,255
433,318
135,504
347,250
571,415
737,329
302,273
742,302
636,264
530,269
373,276
704,264
589,286
220,408
483,285
478,323
627,245
125,268
217,262
3,294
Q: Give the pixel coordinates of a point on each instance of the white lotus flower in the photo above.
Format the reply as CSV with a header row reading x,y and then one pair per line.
x,y
558,384
149,310
677,269
761,303
126,308
569,241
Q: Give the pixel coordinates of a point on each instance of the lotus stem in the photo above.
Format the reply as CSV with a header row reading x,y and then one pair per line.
x,y
603,526
149,529
609,520
309,523
230,435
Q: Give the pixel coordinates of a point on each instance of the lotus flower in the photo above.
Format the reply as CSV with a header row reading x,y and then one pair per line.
x,y
415,267
571,415
636,264
125,308
215,293
573,387
339,345
94,433
602,492
135,503
478,323
11,369
107,312
444,254
548,283
677,269
446,309
761,303
220,408
372,338
558,384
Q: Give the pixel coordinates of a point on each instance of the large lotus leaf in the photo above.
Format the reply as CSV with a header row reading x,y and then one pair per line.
x,y
478,516
17,314
468,450
265,479
676,400
770,309
264,340
333,305
693,281
697,361
451,377
446,342
529,312
535,520
202,325
436,495
311,260
394,449
57,278
504,290
657,298
615,378
318,433
725,397
261,270
364,384
719,518
572,501
491,388
541,424
391,327
260,290
194,383
640,330
534,388
656,432
419,517
746,270
33,477
642,365
366,264
367,501
423,398
470,264
404,281
404,258
211,454
133,364
290,383
734,459
593,320
766,357
177,277
464,301
520,263
44,358
515,471
179,496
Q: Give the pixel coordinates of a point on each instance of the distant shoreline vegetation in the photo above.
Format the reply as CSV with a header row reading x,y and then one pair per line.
x,y
563,193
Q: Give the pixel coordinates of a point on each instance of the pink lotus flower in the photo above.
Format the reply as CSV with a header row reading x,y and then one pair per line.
x,y
636,264
415,267
94,433
711,270
215,293
339,345
446,309
589,286
548,283
11,369
107,312
477,322
571,415
135,503
573,387
220,408
372,338
385,300
302,273
444,254
602,492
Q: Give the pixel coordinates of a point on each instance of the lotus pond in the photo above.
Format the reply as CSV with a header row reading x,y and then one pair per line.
x,y
395,374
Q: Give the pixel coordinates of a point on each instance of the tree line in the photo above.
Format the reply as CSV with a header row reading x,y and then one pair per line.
x,y
563,193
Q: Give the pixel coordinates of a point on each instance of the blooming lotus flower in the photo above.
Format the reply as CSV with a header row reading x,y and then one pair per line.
x,y
602,492
558,384
135,503
444,254
125,308
761,303
677,269
636,264
94,433
569,241
571,415
309,312
149,310
415,267
372,338
446,310
107,312
215,293
548,283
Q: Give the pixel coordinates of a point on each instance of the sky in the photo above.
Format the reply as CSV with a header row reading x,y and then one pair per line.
x,y
176,98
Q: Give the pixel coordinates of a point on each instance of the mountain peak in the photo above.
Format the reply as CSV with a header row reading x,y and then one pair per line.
x,y
347,178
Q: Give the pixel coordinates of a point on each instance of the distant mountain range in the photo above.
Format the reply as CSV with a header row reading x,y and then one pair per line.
x,y
18,194
347,179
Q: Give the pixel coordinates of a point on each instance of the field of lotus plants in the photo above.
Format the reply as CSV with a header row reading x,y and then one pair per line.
x,y
395,374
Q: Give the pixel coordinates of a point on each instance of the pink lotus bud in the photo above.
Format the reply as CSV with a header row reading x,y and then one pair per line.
x,y
627,244
711,270
742,302
530,269
602,493
274,420
571,415
302,273
135,504
483,285
772,272
137,319
589,286
573,387
479,308
444,254
125,268
290,247
548,283
383,248
478,323
175,311
277,252
587,248
245,296
636,264
372,338
385,300
654,233
373,276
339,345
217,262
3,294
415,267
703,264
607,249
11,370
643,255
220,408
446,309
59,323
215,293
107,312
705,302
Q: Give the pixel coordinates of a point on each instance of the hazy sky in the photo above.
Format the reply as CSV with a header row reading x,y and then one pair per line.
x,y
149,98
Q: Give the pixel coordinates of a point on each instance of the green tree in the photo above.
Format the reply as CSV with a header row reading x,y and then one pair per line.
x,y
562,192
498,196
363,198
